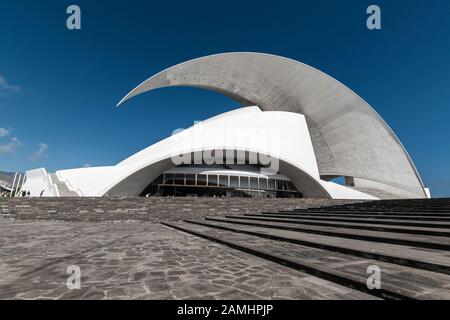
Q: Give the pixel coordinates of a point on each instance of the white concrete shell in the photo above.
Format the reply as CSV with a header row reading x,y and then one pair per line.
x,y
349,138
271,134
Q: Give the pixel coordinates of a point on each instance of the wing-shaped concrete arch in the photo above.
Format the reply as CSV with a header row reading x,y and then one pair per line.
x,y
348,136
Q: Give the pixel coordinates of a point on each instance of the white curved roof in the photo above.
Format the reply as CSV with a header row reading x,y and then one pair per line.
x,y
348,136
244,136
224,132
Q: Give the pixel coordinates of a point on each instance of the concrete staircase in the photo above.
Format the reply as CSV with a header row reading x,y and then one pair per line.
x,y
409,240
64,191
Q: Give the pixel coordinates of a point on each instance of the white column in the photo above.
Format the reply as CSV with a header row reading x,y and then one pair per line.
x,y
18,184
12,187
21,183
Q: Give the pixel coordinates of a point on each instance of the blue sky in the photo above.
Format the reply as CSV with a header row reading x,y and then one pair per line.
x,y
59,88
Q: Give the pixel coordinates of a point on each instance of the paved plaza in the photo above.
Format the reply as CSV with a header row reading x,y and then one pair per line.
x,y
224,248
141,260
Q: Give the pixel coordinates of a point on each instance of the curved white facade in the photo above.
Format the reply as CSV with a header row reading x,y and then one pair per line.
x,y
349,138
270,134
303,125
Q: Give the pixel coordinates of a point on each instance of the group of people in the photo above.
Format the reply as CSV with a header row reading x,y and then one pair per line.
x,y
22,193
4,194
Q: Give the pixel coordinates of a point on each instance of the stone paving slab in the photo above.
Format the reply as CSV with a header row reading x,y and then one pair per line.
x,y
120,260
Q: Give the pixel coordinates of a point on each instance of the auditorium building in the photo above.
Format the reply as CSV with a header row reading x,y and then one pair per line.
x,y
299,133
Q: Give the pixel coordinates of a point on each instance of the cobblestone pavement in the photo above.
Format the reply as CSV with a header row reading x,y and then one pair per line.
x,y
141,260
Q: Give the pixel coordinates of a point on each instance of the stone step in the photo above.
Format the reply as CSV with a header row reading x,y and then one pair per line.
x,y
379,204
394,222
404,202
397,282
437,243
375,211
363,212
363,215
418,200
388,208
392,203
437,232
409,206
426,259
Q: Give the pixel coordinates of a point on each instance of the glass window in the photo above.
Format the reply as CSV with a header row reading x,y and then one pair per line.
x,y
223,181
190,179
168,178
279,184
212,180
234,181
253,183
244,182
271,184
179,179
286,185
263,183
201,179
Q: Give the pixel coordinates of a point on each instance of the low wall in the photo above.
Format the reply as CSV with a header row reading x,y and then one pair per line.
x,y
153,209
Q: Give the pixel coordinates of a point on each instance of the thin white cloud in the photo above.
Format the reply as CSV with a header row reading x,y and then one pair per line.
x,y
87,165
40,153
7,89
10,147
3,132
